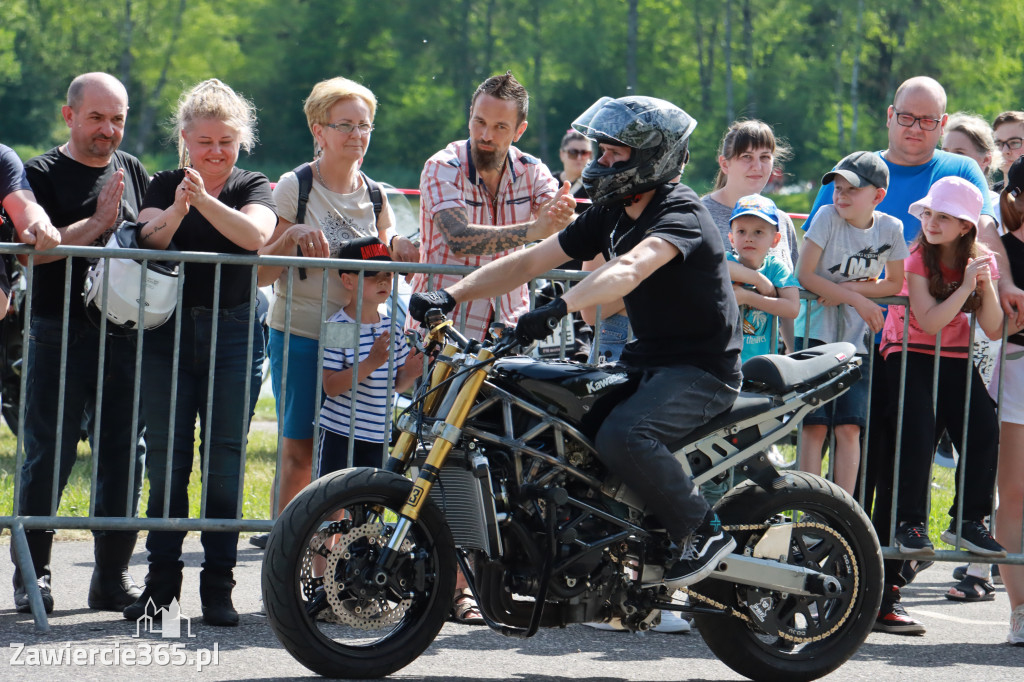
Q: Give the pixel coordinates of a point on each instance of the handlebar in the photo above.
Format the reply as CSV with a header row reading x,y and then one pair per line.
x,y
439,325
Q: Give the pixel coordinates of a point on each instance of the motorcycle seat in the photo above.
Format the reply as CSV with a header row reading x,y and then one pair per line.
x,y
785,373
747,405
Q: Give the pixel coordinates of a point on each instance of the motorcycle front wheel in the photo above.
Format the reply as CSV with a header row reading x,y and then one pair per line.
x,y
325,600
781,636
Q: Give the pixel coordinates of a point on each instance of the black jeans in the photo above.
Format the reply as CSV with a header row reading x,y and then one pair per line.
x,y
116,494
229,424
669,402
922,428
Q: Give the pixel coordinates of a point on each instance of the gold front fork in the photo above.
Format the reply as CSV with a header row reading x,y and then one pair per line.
x,y
406,443
448,434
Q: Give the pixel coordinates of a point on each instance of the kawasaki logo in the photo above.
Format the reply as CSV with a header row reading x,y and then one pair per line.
x,y
595,386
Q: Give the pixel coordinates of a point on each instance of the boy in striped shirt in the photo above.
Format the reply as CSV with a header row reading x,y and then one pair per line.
x,y
372,427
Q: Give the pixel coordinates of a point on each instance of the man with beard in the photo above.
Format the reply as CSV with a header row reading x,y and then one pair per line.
x,y
87,187
481,199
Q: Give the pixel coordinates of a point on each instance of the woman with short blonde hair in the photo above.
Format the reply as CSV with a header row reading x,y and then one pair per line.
x,y
340,114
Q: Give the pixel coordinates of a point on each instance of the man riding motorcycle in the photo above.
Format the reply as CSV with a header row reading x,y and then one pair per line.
x,y
665,258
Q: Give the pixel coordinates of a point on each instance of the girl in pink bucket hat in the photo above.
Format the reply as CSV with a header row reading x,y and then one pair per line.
x,y
949,274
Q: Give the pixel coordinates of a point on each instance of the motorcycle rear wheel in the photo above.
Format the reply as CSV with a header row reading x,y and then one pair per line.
x,y
317,559
820,634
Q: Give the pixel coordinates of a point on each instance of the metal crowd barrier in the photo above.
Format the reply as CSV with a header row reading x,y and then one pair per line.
x,y
332,335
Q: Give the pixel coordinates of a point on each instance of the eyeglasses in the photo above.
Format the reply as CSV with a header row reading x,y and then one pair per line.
x,y
908,121
579,153
349,128
1012,143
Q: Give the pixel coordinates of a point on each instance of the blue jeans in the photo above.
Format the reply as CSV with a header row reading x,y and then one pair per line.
x,y
669,403
116,493
229,424
610,340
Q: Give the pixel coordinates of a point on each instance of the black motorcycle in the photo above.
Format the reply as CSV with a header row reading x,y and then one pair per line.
x,y
360,568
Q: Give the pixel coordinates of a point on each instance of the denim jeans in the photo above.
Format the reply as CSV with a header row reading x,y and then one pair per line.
x,y
115,494
669,403
228,427
610,340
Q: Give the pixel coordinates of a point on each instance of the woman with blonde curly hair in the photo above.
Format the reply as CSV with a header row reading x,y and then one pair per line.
x,y
210,205
340,208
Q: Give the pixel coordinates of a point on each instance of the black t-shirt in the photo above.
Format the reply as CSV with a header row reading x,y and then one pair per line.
x,y
67,190
1015,254
684,313
197,234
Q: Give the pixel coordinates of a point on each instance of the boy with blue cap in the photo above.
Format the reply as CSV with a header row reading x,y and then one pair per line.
x,y
764,285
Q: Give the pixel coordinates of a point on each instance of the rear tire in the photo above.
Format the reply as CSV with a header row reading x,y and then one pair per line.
x,y
334,623
836,626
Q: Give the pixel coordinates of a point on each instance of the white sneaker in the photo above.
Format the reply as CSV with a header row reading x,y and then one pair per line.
x,y
672,623
1016,635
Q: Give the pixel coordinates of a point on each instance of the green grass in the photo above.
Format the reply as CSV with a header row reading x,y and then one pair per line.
x,y
261,461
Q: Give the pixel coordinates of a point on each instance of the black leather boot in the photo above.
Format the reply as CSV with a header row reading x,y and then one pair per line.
x,y
163,584
215,595
111,587
40,543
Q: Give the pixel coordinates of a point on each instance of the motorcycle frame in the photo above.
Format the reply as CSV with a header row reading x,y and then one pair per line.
x,y
467,373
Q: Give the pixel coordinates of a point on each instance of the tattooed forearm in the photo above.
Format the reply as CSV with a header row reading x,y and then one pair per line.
x,y
478,240
153,229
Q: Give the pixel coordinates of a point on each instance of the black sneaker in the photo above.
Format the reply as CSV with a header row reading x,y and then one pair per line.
x,y
912,540
21,600
893,618
259,540
974,537
702,550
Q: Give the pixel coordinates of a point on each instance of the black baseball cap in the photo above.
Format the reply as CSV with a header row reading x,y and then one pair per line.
x,y
860,169
1015,178
364,248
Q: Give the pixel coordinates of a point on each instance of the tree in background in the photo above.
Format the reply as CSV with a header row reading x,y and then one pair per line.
x,y
821,74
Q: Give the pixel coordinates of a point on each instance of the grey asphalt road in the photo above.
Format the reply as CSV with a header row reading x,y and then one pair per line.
x,y
964,641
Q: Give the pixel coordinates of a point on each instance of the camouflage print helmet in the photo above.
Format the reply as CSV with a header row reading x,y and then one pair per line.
x,y
657,131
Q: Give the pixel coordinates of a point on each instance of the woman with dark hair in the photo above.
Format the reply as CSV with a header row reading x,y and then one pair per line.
x,y
746,159
574,153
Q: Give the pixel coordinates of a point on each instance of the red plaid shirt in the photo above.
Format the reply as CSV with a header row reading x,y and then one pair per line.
x,y
449,180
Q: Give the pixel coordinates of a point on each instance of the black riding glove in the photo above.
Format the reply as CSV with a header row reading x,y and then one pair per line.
x,y
538,324
419,304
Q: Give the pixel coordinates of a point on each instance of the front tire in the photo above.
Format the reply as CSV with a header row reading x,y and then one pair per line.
x,y
319,600
788,637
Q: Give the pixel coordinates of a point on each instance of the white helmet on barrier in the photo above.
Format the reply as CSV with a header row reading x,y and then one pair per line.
x,y
125,285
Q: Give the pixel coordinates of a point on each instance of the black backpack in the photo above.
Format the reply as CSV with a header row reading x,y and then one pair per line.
x,y
305,175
